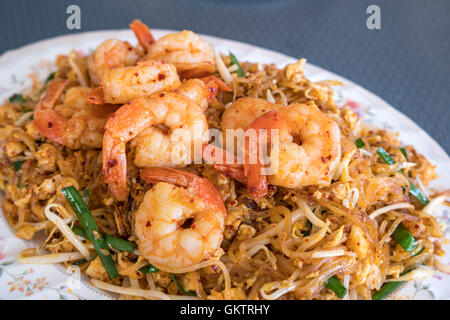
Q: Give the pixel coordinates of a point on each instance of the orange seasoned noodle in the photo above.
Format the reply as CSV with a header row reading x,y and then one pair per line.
x,y
349,202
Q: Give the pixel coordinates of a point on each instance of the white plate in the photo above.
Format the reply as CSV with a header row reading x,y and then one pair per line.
x,y
53,282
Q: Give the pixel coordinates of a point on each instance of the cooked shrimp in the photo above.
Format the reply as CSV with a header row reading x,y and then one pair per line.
x,y
242,112
81,123
110,54
192,56
203,90
310,161
181,221
121,85
166,126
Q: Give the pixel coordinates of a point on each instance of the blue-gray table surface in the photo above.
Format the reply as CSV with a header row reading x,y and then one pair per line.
x,y
406,62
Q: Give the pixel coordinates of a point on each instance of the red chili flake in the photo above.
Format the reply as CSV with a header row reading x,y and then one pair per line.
x,y
112,162
148,224
136,74
162,95
50,125
161,76
130,133
323,159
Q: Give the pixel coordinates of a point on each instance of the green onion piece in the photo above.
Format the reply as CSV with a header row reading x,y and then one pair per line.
x,y
18,164
385,156
149,269
16,98
335,285
186,293
91,229
50,77
404,238
77,263
416,192
235,61
119,244
31,117
112,242
386,289
79,232
403,151
85,193
359,143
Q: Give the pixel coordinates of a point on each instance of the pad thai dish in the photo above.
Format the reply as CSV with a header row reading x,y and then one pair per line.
x,y
164,170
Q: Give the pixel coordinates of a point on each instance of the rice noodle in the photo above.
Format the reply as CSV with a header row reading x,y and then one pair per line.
x,y
431,206
270,255
310,215
416,274
442,267
50,258
402,205
346,283
269,96
365,152
76,69
332,253
21,121
150,281
201,265
223,71
65,230
147,294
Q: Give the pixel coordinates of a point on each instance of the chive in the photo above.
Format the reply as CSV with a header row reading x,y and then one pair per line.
x,y
119,244
416,192
186,293
239,70
79,232
18,164
385,156
403,151
335,285
404,238
359,143
387,288
112,242
50,77
85,193
77,263
16,98
149,269
91,229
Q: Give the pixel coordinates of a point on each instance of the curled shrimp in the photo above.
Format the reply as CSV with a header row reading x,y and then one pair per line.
x,y
165,127
110,54
309,146
181,220
203,90
192,56
81,125
241,113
